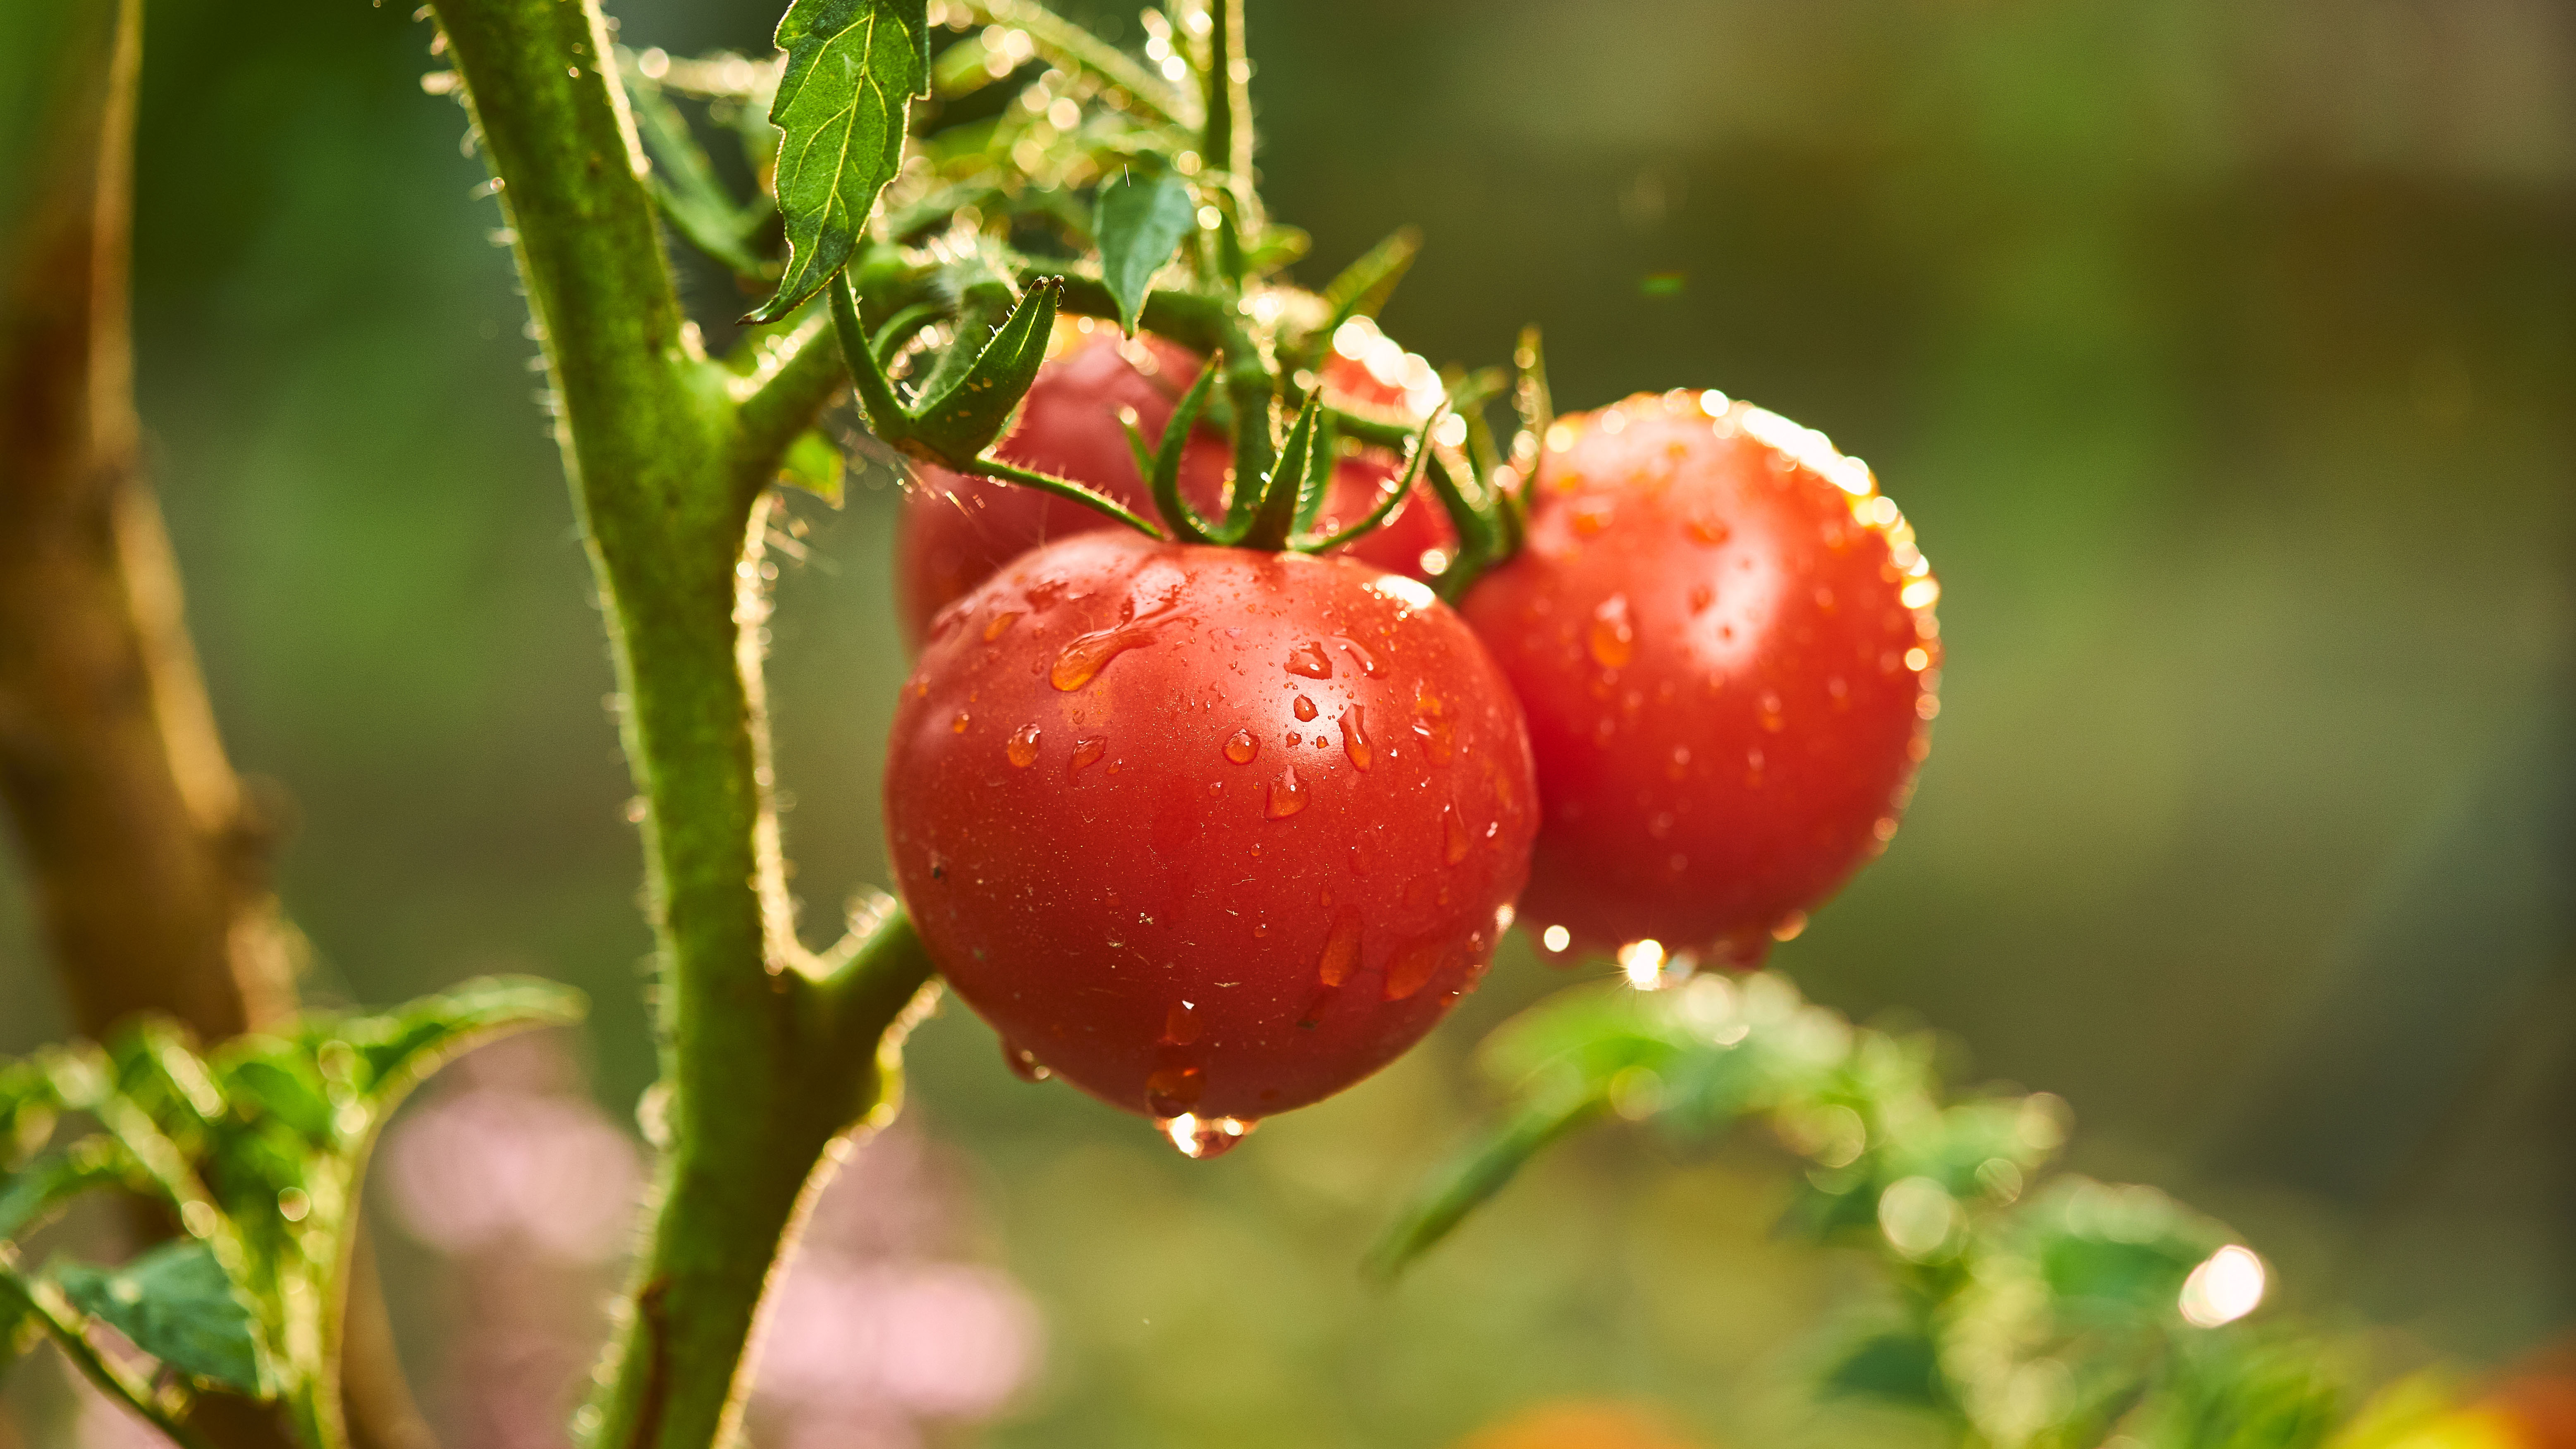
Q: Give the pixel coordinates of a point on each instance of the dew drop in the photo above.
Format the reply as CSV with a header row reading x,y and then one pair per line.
x,y
1431,722
1612,640
1024,1063
1000,625
1174,1090
1455,828
958,725
1341,950
1088,752
1240,747
1180,1024
1287,794
1359,656
1022,750
1789,926
1082,660
1309,660
1412,969
1200,1138
1355,740
1304,707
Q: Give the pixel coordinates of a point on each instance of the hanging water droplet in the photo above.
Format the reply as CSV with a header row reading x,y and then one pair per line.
x,y
1022,749
1612,639
1200,1138
1023,1062
1240,747
1355,740
1287,794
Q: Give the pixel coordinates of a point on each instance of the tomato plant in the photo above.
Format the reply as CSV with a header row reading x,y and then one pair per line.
x,y
1212,833
1723,635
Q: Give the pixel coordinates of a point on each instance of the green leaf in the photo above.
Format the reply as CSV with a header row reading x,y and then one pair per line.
x,y
1472,1178
1140,221
813,464
853,67
28,1199
19,1324
395,1051
1364,286
177,1305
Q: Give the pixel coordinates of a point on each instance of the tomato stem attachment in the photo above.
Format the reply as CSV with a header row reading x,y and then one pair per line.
x,y
1394,497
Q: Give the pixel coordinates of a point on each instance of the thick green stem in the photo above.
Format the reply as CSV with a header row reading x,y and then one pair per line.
x,y
767,1061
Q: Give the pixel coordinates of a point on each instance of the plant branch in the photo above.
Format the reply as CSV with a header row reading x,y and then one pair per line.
x,y
786,400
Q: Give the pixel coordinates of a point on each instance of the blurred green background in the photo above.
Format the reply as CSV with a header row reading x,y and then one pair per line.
x,y
2223,355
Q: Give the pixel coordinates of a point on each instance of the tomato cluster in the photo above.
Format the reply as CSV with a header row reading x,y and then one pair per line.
x,y
1215,832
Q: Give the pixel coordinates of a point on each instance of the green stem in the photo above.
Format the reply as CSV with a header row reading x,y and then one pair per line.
x,y
1066,44
765,1063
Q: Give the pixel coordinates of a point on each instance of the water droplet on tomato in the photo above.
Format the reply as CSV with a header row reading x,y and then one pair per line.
x,y
1082,660
1023,1062
1088,752
1022,750
1287,794
1341,950
1701,596
1359,656
1001,624
1413,968
1612,640
1240,747
1431,722
1180,1024
1309,660
1173,1090
1200,1138
958,725
1455,828
1709,529
1355,740
1789,926
1304,707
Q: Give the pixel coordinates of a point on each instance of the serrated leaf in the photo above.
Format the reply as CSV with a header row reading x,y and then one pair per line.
x,y
396,1050
853,67
813,464
1139,221
176,1304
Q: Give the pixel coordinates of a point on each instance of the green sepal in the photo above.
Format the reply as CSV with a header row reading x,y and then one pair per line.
x,y
959,424
1281,491
685,186
1362,288
177,1304
1139,222
853,67
1163,470
1392,499
1899,1367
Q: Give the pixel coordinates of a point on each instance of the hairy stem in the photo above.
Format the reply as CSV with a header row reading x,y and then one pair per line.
x,y
770,1055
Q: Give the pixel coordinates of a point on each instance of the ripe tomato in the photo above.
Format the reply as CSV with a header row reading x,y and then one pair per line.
x,y
957,530
1723,639
1211,832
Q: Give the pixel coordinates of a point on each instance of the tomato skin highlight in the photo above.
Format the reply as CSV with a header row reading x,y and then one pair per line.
x,y
956,530
1724,643
1207,830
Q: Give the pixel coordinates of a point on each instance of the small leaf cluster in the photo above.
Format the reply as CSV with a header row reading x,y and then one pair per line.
x,y
1109,186
2025,1312
255,1152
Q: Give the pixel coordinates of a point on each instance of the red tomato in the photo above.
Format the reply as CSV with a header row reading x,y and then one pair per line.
x,y
1723,639
1212,833
957,530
